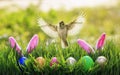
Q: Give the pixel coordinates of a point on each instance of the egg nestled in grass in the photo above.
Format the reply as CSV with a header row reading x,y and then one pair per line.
x,y
22,60
40,61
101,60
53,61
86,63
71,61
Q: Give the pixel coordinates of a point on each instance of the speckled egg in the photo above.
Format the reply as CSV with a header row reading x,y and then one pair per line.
x,y
71,61
22,60
101,60
40,61
86,63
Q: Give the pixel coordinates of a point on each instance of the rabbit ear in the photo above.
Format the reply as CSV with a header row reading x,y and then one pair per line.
x,y
32,44
15,45
85,46
100,42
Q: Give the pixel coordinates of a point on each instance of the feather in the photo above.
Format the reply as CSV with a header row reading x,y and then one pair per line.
x,y
50,30
75,26
85,46
100,42
32,44
15,45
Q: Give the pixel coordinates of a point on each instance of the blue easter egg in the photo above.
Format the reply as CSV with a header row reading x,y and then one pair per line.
x,y
22,60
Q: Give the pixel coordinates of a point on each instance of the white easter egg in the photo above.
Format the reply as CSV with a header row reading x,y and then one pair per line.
x,y
71,61
101,60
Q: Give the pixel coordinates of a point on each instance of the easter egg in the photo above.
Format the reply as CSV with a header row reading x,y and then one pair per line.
x,y
101,60
71,61
86,63
53,61
22,60
40,61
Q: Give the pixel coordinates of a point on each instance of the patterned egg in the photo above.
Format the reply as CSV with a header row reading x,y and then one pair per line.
x,y
53,61
40,61
101,60
71,61
22,60
86,63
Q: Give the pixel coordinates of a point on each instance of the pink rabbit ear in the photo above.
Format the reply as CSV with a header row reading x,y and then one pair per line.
x,y
100,42
14,44
32,44
85,46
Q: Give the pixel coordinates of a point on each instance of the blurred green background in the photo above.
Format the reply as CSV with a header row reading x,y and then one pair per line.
x,y
22,24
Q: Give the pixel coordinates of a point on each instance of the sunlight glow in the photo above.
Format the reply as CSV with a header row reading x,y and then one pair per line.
x,y
46,5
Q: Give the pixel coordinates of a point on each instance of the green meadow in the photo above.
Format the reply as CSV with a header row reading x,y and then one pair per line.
x,y
22,25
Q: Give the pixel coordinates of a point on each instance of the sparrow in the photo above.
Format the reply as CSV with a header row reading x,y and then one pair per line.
x,y
62,30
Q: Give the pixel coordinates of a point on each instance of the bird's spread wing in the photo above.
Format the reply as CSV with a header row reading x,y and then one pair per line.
x,y
75,26
49,29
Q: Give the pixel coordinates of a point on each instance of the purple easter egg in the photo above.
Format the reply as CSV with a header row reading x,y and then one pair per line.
x,y
53,61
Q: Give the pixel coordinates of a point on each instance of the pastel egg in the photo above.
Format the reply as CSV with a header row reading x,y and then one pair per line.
x,y
101,60
86,63
40,61
71,61
22,60
53,61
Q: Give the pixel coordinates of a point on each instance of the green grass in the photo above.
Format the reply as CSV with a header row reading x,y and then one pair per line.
x,y
111,51
23,24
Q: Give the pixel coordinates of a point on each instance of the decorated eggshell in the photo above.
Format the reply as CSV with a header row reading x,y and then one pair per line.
x,y
22,60
40,61
71,61
101,60
53,61
86,63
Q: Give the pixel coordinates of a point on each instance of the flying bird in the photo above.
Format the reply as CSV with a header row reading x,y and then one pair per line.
x,y
62,30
